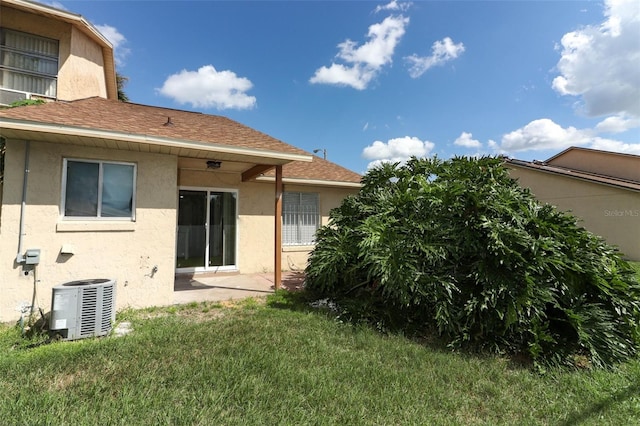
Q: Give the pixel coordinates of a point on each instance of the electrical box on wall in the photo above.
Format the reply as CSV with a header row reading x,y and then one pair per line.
x,y
32,257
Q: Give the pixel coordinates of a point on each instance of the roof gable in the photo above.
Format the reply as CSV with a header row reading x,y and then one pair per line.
x,y
606,163
542,167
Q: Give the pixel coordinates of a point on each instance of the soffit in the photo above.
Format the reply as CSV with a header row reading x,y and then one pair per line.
x,y
210,152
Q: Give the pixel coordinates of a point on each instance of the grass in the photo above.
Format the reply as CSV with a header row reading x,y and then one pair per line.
x,y
279,363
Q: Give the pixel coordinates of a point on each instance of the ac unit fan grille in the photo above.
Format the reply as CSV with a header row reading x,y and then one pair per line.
x,y
107,309
89,311
83,308
96,312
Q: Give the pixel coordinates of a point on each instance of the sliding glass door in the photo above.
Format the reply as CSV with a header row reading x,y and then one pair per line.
x,y
206,230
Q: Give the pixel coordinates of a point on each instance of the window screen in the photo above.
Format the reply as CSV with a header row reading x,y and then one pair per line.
x,y
300,218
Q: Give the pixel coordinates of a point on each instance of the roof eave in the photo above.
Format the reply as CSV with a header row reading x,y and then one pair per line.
x,y
573,175
312,182
25,126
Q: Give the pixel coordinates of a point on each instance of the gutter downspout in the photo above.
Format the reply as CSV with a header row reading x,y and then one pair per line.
x,y
20,256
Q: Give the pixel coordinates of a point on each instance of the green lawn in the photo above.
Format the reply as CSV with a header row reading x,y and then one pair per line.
x,y
255,363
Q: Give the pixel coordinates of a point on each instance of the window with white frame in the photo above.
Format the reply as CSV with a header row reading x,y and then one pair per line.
x,y
300,218
98,189
28,63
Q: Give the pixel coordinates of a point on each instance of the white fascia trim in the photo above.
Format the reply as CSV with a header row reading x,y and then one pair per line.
x,y
312,182
30,126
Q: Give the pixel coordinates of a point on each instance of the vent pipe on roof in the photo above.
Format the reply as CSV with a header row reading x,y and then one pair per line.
x,y
169,122
27,149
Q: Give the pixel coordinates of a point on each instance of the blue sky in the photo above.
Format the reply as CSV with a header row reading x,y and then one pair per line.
x,y
381,81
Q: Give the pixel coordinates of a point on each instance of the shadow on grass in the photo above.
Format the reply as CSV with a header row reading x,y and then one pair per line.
x,y
293,281
603,405
304,301
299,300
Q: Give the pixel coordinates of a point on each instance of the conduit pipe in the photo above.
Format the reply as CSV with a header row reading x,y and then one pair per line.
x,y
27,149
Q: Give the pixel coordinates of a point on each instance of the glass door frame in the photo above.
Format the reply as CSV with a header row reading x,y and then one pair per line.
x,y
205,267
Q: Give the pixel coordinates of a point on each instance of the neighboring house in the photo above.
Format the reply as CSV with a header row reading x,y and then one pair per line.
x,y
137,193
601,188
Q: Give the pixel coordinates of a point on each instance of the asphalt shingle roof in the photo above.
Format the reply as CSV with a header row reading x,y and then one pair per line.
x,y
123,117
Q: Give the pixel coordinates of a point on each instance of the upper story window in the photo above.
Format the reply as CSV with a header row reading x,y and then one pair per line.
x,y
300,218
28,63
98,189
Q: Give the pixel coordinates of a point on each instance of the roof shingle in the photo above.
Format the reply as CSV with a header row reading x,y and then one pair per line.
x,y
115,116
122,117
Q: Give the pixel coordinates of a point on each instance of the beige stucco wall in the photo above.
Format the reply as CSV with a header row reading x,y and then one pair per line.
x,y
125,251
256,225
600,162
81,63
611,212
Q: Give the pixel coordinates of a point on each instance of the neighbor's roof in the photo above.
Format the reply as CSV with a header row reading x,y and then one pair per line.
x,y
179,132
590,150
575,174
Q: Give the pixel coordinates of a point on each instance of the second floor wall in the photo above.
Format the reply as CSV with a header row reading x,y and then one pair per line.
x,y
47,57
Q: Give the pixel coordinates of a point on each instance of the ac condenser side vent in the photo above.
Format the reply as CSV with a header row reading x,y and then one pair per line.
x,y
7,97
81,309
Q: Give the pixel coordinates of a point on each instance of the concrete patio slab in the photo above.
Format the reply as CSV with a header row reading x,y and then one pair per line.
x,y
219,287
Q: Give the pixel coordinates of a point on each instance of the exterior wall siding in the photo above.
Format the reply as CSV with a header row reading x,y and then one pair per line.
x,y
256,205
610,212
125,251
605,163
80,65
82,74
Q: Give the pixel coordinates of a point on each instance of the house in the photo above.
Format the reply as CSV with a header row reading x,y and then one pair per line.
x,y
51,54
137,193
601,188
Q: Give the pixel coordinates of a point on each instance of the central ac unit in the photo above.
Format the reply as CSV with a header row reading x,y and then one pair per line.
x,y
84,308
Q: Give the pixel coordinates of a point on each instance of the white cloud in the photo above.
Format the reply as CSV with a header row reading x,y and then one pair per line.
x,y
543,134
208,88
600,63
55,4
120,52
466,140
355,76
615,146
617,124
365,61
394,5
442,51
495,146
398,149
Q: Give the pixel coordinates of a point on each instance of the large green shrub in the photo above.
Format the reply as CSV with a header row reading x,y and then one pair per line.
x,y
459,247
